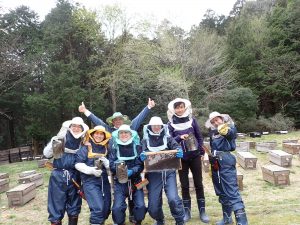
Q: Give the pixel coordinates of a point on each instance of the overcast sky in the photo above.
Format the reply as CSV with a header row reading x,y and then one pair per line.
x,y
183,13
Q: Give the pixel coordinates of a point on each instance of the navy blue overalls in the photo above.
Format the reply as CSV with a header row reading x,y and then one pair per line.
x,y
129,154
96,189
62,194
162,180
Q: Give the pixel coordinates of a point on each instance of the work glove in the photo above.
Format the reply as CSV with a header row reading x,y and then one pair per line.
x,y
83,168
105,162
129,173
96,172
143,156
179,153
223,129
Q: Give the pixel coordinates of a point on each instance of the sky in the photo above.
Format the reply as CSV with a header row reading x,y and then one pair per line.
x,y
183,13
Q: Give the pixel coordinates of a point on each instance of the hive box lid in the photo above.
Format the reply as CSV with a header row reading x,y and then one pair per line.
x,y
23,188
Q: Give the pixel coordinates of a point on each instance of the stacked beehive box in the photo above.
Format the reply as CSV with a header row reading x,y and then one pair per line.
x,y
4,182
280,158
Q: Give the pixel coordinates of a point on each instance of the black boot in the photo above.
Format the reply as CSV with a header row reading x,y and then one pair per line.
x,y
240,217
227,210
159,222
73,220
56,223
138,223
187,210
201,207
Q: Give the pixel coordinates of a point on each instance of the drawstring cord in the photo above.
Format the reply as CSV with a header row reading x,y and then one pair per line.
x,y
67,175
129,189
102,186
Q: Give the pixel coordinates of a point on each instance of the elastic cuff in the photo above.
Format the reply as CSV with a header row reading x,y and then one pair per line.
x,y
87,113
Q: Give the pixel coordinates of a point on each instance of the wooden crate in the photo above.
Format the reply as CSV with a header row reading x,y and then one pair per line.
x,y
290,141
41,163
280,158
205,163
252,144
265,146
14,155
25,152
4,175
240,178
246,160
292,148
4,185
27,173
206,144
36,178
4,157
21,194
242,146
276,175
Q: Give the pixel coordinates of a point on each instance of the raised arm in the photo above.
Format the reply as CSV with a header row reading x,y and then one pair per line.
x,y
92,117
137,121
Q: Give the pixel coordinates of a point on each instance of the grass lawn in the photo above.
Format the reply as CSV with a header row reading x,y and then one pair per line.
x,y
266,204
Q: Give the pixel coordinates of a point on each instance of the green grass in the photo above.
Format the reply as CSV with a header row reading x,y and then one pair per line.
x,y
266,204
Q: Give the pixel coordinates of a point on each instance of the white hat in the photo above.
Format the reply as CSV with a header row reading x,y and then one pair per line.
x,y
212,116
125,127
77,121
171,110
155,120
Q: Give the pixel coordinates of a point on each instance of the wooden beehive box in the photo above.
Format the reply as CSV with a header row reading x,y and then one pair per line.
x,y
206,144
4,157
240,178
25,152
14,155
205,163
276,175
4,185
252,144
41,163
27,173
4,175
290,141
265,146
280,158
292,148
36,178
242,146
246,160
21,194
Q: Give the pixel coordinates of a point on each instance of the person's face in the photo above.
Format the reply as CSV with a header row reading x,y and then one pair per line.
x,y
156,128
217,121
124,135
117,122
98,136
76,128
180,109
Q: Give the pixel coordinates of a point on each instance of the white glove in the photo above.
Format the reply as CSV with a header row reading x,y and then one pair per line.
x,y
83,168
105,162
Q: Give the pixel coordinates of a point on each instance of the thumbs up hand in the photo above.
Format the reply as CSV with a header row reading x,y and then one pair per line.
x,y
82,108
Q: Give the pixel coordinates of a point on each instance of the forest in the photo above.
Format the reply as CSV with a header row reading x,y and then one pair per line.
x,y
246,64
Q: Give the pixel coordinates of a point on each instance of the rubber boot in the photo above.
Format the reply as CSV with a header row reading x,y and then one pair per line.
x,y
159,222
130,209
240,217
138,223
227,210
56,223
187,210
73,220
180,223
201,207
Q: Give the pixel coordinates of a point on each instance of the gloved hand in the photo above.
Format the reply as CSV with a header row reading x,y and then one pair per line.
x,y
179,153
143,156
223,129
96,172
105,162
83,168
129,173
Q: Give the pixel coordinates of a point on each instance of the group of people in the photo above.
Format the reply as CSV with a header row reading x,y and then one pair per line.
x,y
83,157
